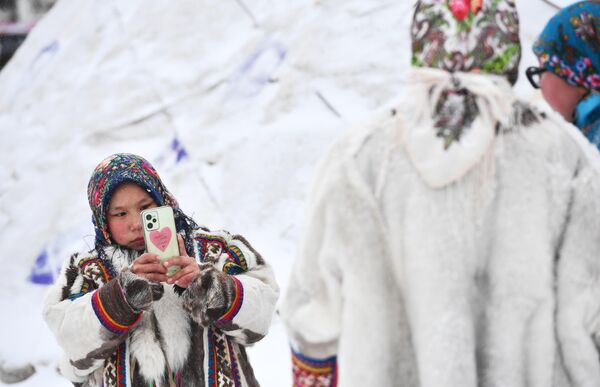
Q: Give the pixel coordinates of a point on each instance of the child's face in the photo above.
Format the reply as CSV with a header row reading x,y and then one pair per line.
x,y
123,215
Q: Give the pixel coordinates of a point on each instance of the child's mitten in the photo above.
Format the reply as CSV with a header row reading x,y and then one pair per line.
x,y
139,292
209,296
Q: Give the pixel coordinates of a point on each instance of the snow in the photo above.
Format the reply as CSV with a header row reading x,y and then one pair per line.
x,y
250,93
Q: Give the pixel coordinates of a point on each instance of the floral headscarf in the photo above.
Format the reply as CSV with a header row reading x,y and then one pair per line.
x,y
569,45
125,167
467,36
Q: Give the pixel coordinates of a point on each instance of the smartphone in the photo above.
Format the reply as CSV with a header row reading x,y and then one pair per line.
x,y
160,234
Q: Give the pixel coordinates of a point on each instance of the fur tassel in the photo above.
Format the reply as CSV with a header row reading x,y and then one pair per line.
x,y
145,348
174,325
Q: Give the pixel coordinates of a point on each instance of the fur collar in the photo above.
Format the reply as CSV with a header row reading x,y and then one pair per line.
x,y
453,121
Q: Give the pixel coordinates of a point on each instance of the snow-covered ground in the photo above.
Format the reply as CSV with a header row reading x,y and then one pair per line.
x,y
233,102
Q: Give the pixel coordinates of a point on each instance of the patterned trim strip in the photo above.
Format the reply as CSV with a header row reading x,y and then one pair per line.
x,y
213,248
309,372
223,369
73,297
212,359
105,318
232,268
205,243
236,305
234,368
97,266
236,254
122,365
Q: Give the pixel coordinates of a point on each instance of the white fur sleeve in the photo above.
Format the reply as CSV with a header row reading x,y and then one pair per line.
x,y
84,324
251,290
578,315
75,327
312,306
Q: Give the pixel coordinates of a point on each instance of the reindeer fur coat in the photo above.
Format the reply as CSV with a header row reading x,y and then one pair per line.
x,y
193,339
474,264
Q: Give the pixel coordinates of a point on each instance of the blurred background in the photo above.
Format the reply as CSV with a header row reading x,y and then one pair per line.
x,y
233,101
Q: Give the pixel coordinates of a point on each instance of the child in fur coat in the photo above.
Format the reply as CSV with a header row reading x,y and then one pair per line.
x,y
438,232
122,321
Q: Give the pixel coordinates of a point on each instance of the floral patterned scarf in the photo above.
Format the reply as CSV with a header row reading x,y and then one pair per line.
x,y
569,45
467,42
467,36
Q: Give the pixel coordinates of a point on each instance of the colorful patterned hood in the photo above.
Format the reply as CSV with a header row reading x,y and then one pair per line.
x,y
109,174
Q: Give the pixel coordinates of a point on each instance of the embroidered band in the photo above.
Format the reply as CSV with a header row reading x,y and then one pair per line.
x,y
238,257
309,372
236,304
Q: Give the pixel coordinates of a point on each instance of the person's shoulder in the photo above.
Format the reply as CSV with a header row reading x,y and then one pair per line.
x,y
219,236
531,120
203,231
82,262
79,258
231,251
526,114
364,142
378,129
79,270
359,153
547,132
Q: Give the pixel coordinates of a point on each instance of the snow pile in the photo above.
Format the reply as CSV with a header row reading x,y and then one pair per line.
x,y
232,102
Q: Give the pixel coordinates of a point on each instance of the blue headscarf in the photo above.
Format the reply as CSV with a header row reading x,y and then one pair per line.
x,y
569,46
587,118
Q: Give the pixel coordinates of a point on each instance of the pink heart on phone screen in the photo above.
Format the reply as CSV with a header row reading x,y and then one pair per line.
x,y
161,238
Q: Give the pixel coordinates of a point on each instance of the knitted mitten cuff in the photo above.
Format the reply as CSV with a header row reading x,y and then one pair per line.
x,y
112,309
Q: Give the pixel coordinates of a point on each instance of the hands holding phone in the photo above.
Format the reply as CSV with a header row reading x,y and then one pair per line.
x,y
149,266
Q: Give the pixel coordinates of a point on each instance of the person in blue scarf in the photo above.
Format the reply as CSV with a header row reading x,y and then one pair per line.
x,y
568,50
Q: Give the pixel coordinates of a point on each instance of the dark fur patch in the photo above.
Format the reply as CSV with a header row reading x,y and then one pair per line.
x,y
10,375
247,336
139,292
524,116
192,373
178,290
528,116
161,341
209,296
136,376
246,367
71,273
105,351
251,337
118,308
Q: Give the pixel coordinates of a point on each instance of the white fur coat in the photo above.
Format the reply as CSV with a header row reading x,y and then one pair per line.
x,y
106,344
476,266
